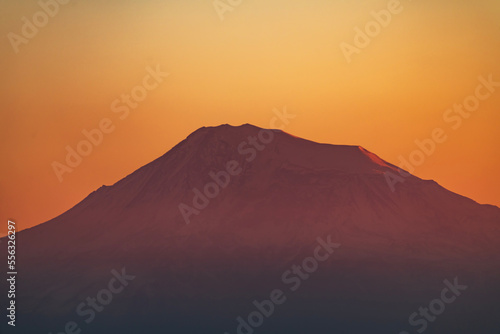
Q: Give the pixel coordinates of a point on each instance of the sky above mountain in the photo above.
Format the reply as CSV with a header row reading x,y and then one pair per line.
x,y
263,55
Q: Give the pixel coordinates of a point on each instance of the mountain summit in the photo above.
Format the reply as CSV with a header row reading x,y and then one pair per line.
x,y
217,222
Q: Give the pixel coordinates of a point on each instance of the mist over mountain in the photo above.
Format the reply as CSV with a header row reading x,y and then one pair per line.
x,y
220,221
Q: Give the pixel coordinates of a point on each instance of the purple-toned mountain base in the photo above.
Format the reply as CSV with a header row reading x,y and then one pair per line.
x,y
212,230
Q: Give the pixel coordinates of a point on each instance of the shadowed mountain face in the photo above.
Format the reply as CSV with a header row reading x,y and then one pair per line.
x,y
221,220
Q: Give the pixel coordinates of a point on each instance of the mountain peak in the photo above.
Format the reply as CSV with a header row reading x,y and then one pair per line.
x,y
209,146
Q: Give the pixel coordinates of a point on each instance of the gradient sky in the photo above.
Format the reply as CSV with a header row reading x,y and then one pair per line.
x,y
264,54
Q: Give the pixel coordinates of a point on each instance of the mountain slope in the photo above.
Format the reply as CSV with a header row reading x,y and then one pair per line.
x,y
286,192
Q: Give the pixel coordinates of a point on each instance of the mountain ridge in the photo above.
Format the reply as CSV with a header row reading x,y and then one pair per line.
x,y
214,134
289,192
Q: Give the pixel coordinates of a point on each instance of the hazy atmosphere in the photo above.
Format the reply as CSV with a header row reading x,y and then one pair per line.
x,y
236,64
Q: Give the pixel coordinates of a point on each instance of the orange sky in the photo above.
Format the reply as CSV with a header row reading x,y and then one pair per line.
x,y
264,54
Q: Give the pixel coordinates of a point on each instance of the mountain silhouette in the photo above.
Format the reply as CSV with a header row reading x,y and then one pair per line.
x,y
210,229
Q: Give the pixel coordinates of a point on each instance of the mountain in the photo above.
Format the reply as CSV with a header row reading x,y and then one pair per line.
x,y
199,239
